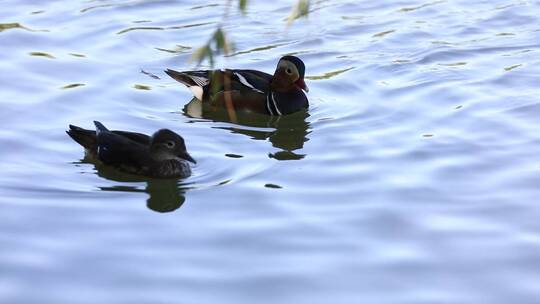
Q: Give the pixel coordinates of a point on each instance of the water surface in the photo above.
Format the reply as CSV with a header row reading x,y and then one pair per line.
x,y
413,177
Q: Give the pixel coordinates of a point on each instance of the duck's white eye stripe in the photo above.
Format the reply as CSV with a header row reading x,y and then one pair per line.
x,y
244,81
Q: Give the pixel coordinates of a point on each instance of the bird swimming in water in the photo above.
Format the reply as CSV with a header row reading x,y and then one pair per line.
x,y
251,90
162,155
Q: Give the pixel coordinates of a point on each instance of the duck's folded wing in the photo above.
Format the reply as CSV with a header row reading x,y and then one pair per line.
x,y
251,79
136,137
115,149
215,80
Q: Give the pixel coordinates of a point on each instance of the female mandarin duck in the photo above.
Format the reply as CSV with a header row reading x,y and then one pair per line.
x,y
161,155
251,90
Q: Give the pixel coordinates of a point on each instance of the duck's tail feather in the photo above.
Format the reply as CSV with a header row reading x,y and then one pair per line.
x,y
85,138
190,78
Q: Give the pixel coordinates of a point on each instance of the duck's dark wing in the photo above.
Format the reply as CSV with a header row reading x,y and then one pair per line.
x,y
252,79
120,151
214,80
87,138
140,138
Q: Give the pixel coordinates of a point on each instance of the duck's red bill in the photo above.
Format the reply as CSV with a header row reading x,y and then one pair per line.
x,y
302,85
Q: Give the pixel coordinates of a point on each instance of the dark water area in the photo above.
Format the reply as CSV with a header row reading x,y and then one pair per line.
x,y
413,177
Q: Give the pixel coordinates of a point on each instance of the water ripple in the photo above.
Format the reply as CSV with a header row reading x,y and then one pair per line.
x,y
415,169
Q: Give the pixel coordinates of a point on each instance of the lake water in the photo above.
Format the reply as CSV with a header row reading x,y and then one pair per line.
x,y
414,177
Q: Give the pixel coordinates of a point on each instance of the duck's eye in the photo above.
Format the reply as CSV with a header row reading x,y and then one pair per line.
x,y
288,71
170,144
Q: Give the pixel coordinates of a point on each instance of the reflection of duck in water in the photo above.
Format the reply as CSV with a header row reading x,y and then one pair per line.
x,y
288,132
250,90
163,155
165,195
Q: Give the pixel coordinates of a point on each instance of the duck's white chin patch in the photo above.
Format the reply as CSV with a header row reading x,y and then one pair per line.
x,y
197,92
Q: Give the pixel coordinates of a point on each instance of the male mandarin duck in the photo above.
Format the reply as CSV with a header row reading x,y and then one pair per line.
x,y
162,155
251,90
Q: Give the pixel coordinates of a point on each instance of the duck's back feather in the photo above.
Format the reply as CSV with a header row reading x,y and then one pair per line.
x,y
213,81
88,138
